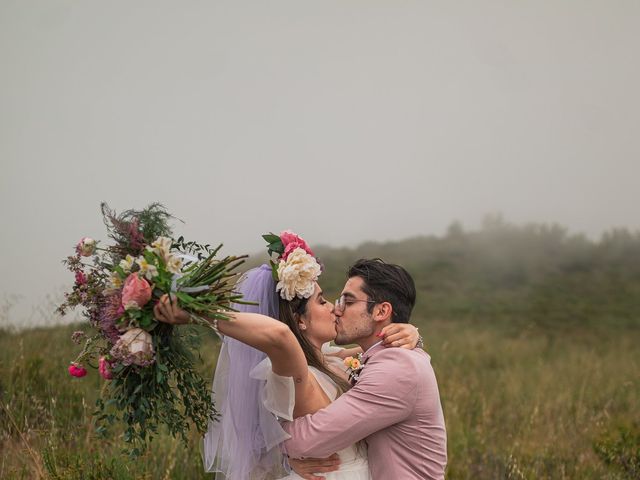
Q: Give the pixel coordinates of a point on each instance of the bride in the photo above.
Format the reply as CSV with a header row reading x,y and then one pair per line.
x,y
292,324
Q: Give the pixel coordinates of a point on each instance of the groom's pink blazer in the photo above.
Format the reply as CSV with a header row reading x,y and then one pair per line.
x,y
395,406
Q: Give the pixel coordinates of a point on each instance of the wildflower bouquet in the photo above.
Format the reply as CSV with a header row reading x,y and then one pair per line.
x,y
149,364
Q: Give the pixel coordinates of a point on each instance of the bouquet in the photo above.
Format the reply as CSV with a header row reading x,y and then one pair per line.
x,y
148,365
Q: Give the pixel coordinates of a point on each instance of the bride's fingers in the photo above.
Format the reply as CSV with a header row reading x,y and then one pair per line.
x,y
159,313
175,308
167,310
389,331
409,345
163,310
170,305
175,311
395,339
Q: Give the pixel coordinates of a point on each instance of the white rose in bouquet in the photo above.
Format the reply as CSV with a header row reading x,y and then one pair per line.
x,y
86,247
135,347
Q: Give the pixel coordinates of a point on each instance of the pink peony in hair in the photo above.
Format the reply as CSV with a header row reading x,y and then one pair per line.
x,y
291,241
136,292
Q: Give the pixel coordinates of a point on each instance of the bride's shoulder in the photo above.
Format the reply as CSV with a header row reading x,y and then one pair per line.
x,y
278,392
326,383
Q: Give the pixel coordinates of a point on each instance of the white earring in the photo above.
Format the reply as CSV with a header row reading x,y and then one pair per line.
x,y
303,327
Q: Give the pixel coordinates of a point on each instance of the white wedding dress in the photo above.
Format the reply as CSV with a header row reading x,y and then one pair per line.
x,y
279,398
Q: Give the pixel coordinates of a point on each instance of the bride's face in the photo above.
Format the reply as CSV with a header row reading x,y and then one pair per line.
x,y
318,323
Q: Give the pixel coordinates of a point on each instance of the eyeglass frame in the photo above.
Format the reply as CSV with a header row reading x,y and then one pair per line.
x,y
348,302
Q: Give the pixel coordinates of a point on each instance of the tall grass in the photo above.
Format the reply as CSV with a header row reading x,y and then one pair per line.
x,y
533,334
46,423
531,406
518,404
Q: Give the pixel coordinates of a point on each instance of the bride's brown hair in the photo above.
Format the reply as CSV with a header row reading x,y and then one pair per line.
x,y
290,313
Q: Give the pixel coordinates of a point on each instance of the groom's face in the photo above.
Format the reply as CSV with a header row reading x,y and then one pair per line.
x,y
354,321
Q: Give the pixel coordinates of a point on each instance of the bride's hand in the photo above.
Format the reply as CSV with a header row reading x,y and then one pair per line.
x,y
167,311
403,335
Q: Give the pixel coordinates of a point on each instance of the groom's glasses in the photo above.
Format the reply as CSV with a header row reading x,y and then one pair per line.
x,y
342,303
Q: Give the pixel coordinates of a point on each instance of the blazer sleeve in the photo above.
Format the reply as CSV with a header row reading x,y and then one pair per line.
x,y
384,395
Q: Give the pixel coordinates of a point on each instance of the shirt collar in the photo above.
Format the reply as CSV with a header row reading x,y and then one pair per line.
x,y
370,349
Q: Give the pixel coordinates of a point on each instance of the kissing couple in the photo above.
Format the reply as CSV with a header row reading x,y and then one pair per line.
x,y
293,406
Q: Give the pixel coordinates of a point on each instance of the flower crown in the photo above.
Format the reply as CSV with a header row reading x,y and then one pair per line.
x,y
296,268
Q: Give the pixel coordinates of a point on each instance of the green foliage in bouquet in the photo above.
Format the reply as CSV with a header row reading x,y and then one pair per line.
x,y
168,392
148,365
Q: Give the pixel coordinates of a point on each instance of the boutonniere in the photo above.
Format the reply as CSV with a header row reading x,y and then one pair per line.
x,y
354,367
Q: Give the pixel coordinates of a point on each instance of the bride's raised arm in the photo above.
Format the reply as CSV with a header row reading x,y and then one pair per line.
x,y
259,331
270,336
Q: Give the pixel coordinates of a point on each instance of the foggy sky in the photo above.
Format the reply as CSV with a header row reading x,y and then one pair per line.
x,y
343,120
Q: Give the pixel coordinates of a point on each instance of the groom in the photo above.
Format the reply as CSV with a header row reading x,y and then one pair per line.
x,y
395,404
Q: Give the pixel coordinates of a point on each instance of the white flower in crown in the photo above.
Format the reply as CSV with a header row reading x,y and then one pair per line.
x,y
297,275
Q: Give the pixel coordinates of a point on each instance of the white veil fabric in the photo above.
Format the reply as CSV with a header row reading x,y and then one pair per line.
x,y
243,443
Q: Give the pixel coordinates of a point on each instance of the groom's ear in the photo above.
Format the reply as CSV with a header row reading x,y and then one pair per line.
x,y
382,312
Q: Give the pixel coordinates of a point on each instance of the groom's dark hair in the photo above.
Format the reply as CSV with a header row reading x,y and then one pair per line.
x,y
386,282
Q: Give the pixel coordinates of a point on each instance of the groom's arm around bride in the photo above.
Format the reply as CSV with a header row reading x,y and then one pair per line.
x,y
395,404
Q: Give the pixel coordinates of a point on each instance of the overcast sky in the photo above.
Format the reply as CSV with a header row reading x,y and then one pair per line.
x,y
343,120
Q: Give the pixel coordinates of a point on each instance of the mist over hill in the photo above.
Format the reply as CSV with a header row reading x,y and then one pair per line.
x,y
535,274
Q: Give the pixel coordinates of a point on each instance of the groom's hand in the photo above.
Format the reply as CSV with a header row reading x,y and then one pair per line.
x,y
307,467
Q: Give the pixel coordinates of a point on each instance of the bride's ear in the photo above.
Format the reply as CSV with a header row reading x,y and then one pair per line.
x,y
301,325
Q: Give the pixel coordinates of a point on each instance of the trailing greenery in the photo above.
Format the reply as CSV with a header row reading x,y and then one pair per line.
x,y
169,393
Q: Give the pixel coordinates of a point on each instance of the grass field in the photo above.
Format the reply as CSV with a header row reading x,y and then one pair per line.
x,y
534,335
519,403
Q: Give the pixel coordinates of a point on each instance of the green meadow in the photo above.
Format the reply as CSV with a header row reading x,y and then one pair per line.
x,y
533,334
